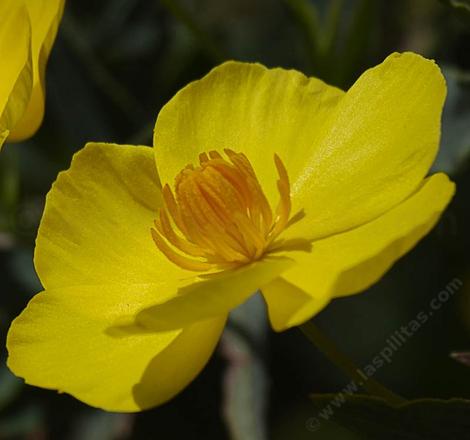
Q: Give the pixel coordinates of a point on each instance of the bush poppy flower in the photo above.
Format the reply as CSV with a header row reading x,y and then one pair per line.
x,y
267,180
27,34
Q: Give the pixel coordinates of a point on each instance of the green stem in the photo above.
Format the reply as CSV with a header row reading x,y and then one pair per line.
x,y
328,347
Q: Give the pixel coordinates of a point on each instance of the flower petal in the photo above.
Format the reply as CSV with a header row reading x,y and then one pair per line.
x,y
376,149
60,341
15,73
215,296
350,157
45,17
97,219
250,109
350,262
288,305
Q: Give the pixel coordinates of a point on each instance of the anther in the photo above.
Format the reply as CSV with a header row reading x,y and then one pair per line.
x,y
219,216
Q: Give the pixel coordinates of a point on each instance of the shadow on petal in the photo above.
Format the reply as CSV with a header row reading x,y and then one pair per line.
x,y
175,367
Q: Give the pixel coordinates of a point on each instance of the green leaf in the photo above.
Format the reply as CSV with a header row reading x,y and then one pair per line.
x,y
371,417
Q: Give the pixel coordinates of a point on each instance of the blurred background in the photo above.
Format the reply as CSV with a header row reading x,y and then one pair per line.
x,y
115,63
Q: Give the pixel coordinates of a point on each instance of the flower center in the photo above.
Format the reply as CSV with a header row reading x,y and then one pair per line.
x,y
218,216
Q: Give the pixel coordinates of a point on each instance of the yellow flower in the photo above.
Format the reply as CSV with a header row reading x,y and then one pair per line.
x,y
27,34
271,181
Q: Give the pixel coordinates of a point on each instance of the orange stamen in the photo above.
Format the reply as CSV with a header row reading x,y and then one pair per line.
x,y
220,217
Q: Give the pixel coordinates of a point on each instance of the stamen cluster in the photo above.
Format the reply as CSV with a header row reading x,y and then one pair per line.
x,y
219,216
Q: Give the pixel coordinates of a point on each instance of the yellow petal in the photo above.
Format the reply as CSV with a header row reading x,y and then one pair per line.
x,y
350,157
215,296
45,17
60,341
350,262
288,305
377,147
97,219
250,109
15,72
